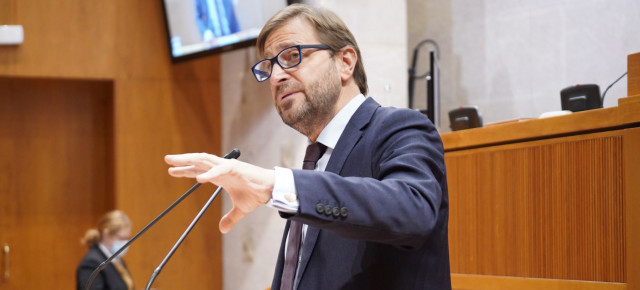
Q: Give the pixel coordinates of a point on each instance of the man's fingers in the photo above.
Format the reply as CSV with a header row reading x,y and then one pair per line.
x,y
212,173
229,220
200,160
185,171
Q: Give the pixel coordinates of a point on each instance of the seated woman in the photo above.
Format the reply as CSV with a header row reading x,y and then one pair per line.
x,y
113,232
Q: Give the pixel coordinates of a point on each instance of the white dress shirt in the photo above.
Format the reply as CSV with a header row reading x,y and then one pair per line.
x,y
107,252
284,196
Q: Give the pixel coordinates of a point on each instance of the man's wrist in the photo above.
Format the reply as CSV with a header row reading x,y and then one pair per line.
x,y
284,196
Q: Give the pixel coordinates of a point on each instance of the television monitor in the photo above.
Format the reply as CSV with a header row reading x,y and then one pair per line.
x,y
197,28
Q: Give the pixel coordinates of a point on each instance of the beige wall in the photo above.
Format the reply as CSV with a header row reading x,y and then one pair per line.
x,y
512,58
251,124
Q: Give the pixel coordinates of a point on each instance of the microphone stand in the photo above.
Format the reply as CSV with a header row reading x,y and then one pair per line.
x,y
235,153
412,70
184,235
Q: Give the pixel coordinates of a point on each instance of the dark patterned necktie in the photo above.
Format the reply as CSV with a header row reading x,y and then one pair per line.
x,y
314,152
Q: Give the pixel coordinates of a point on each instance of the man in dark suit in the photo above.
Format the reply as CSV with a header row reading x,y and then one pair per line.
x,y
375,209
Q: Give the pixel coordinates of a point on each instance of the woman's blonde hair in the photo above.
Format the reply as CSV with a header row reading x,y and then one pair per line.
x,y
112,221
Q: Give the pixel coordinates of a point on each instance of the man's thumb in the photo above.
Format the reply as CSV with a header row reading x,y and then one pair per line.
x,y
229,220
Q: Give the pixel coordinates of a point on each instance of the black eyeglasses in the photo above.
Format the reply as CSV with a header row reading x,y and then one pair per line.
x,y
287,58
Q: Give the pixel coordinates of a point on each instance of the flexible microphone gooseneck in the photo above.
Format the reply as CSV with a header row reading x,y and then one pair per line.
x,y
605,91
179,242
234,154
412,69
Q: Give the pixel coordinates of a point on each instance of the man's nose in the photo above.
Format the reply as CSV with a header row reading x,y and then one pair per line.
x,y
278,74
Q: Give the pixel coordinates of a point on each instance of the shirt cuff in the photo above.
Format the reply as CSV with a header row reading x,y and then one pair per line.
x,y
284,196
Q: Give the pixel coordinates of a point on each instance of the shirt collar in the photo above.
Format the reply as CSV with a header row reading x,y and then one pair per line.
x,y
104,250
332,132
107,252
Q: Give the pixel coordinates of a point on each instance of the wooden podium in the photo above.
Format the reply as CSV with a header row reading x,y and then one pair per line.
x,y
548,203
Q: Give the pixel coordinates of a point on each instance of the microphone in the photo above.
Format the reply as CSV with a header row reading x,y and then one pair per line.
x,y
179,242
234,154
412,69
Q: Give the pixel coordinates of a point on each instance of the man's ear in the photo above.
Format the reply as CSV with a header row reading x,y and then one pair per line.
x,y
347,59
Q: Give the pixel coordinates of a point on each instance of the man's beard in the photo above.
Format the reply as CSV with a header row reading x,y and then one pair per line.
x,y
318,105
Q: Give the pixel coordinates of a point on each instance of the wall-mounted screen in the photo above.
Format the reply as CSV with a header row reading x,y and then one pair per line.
x,y
201,27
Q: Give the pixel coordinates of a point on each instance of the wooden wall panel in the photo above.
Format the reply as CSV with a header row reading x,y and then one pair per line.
x,y
547,209
7,16
176,117
633,75
65,39
140,38
7,12
480,282
159,108
57,175
632,204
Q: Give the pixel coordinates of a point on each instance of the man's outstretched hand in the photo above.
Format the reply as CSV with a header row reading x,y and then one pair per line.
x,y
249,186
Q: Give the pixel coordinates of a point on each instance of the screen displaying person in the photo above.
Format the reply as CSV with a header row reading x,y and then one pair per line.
x,y
215,18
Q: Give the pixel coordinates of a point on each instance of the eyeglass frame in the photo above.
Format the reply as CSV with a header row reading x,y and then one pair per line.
x,y
275,59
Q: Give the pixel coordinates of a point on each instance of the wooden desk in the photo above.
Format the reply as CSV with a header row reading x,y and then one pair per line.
x,y
548,203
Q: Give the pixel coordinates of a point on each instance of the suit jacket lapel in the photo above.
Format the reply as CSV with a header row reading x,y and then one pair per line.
x,y
351,135
347,141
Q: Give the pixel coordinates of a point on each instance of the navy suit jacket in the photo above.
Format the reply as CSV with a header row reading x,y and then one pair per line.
x,y
108,279
378,214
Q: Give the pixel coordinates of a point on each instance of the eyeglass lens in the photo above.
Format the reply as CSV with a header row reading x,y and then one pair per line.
x,y
287,58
